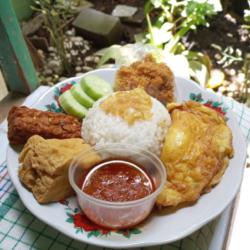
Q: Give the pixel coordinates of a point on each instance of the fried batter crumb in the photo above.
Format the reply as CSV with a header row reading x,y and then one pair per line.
x,y
156,78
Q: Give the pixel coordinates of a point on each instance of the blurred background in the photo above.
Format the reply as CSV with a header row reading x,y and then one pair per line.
x,y
50,40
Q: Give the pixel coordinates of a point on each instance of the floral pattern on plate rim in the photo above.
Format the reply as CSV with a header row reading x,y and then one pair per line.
x,y
82,224
217,106
55,105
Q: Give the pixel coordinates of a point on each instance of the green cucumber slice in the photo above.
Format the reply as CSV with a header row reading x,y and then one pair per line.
x,y
95,87
71,106
78,93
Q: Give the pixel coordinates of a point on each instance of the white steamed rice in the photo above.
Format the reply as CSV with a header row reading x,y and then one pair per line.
x,y
99,128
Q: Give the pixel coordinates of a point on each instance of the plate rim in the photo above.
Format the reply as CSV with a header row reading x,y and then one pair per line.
x,y
187,232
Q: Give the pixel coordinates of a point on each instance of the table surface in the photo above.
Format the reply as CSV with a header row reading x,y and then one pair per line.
x,y
237,235
10,100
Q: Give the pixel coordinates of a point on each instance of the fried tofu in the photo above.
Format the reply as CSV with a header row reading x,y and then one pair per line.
x,y
196,152
44,166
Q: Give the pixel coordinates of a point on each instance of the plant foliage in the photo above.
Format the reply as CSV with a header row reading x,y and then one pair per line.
x,y
169,21
174,19
247,17
56,13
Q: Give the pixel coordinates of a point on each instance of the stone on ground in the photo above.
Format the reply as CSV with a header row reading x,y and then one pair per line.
x,y
137,18
101,28
121,10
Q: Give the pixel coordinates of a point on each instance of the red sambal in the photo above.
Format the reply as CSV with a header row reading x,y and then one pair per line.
x,y
117,181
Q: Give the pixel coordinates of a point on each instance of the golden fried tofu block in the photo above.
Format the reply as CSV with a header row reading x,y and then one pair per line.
x,y
196,152
44,166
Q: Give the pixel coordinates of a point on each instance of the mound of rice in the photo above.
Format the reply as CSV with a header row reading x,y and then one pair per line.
x,y
99,128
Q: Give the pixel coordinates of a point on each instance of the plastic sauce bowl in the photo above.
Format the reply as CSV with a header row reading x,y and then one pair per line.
x,y
110,214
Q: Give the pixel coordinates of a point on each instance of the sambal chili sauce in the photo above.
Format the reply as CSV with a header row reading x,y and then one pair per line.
x,y
117,181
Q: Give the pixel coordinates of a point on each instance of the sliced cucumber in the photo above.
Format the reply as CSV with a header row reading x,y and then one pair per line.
x,y
71,106
81,96
95,87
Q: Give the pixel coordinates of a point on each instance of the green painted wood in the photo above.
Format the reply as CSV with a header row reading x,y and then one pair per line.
x,y
15,60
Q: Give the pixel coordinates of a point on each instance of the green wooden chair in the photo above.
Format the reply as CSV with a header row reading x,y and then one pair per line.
x,y
15,61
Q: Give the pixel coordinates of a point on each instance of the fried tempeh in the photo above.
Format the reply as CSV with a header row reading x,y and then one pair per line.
x,y
24,122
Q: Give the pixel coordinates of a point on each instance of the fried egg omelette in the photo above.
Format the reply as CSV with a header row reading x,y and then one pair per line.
x,y
196,152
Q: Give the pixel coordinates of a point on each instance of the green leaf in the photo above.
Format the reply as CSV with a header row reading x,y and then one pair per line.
x,y
217,104
196,97
125,233
196,69
135,231
70,220
147,7
79,230
108,53
95,233
160,20
225,109
140,37
192,96
199,72
53,12
57,91
199,11
217,6
161,35
200,57
156,3
247,15
35,8
69,214
199,97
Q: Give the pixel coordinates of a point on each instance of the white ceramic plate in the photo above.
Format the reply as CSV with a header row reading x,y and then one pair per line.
x,y
158,229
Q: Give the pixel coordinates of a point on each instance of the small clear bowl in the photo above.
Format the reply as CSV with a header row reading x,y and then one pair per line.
x,y
109,214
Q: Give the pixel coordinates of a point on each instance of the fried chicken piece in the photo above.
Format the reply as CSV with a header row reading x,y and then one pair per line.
x,y
196,152
156,78
23,122
45,163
